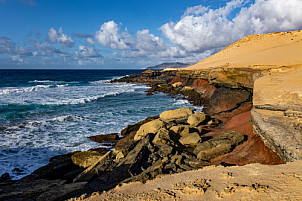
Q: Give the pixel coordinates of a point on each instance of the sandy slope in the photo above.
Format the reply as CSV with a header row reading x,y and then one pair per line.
x,y
250,182
258,51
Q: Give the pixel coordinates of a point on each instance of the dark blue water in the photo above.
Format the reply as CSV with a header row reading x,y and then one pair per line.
x,y
44,113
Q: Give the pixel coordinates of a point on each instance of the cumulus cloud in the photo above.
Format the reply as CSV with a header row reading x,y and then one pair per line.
x,y
55,36
109,36
203,29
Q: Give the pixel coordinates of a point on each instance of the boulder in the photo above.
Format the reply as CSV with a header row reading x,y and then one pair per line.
x,y
214,151
190,140
219,145
150,127
176,114
196,119
177,84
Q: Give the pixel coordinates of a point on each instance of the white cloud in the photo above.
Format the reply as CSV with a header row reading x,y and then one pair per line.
x,y
90,52
109,36
200,29
58,37
196,10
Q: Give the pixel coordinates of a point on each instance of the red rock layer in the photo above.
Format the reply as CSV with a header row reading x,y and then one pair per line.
x,y
251,151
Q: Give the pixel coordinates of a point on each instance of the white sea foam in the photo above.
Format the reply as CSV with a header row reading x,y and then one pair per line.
x,y
9,90
64,127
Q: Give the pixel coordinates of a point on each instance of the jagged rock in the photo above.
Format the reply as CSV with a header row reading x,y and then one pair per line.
x,y
165,150
131,165
190,139
150,127
58,167
176,114
218,145
135,127
91,170
162,137
196,119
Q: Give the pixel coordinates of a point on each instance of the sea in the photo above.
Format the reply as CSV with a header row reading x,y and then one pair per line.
x,y
44,113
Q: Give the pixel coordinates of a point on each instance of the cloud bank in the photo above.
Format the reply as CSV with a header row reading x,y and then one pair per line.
x,y
202,28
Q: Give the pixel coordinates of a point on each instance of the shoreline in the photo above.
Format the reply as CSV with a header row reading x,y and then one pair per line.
x,y
100,169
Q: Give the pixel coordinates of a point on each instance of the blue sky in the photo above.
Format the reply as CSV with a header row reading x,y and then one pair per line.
x,y
116,34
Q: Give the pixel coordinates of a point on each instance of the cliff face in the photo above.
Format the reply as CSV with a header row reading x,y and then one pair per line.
x,y
277,113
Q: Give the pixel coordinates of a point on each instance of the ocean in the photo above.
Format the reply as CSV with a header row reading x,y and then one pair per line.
x,y
44,113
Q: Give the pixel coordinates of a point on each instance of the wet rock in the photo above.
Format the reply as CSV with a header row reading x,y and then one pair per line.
x,y
105,138
197,119
42,189
176,114
150,127
5,177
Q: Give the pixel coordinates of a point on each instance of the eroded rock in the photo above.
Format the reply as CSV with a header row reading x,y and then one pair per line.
x,y
176,114
150,127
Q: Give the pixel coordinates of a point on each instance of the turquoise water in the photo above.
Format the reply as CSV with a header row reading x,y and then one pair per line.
x,y
44,113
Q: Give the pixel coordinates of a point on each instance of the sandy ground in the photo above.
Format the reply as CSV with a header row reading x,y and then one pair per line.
x,y
250,182
258,51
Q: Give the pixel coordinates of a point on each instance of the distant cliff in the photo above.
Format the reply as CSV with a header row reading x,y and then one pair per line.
x,y
169,65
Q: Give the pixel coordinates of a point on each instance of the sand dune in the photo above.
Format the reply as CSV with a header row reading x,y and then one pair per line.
x,y
258,51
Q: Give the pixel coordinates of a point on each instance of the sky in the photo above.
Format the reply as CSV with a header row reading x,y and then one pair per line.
x,y
132,34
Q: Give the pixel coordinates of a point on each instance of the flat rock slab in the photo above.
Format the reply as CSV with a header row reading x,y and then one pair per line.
x,y
250,182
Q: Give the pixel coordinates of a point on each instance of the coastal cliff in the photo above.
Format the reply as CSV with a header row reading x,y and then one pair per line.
x,y
251,114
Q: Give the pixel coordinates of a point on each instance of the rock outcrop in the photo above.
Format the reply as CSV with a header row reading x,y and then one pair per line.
x,y
277,113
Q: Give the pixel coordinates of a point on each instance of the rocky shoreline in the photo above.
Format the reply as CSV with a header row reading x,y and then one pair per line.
x,y
173,142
